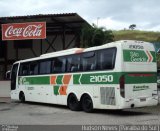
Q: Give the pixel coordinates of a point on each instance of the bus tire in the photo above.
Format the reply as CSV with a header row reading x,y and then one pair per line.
x,y
22,97
73,103
87,104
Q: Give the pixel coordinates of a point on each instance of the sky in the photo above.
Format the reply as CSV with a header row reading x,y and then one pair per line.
x,y
111,14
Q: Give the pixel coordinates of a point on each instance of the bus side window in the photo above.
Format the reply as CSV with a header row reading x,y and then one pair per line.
x,y
33,68
59,65
106,59
69,64
24,69
89,61
45,67
73,63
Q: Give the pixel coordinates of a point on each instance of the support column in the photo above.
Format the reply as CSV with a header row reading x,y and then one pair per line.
x,y
5,59
64,37
41,47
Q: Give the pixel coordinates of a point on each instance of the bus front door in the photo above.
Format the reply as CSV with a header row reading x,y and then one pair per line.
x,y
14,76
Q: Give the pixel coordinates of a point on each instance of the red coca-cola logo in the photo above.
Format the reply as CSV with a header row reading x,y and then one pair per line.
x,y
34,30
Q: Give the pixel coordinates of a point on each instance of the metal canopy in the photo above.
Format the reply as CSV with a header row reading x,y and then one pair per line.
x,y
55,23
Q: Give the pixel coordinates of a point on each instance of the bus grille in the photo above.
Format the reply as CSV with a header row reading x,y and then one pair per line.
x,y
108,95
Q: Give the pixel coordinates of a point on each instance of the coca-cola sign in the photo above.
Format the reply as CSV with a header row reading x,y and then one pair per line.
x,y
21,31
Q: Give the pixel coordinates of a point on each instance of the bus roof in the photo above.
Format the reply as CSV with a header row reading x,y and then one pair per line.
x,y
80,50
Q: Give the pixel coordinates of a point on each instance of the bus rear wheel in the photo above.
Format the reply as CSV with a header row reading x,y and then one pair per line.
x,y
73,103
87,104
22,97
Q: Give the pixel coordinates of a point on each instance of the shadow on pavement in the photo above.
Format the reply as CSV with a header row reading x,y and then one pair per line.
x,y
124,113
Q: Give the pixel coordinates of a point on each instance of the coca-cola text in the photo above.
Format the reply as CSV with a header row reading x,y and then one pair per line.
x,y
24,31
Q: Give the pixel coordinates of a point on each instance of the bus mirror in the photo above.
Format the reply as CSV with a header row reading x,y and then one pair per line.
x,y
8,75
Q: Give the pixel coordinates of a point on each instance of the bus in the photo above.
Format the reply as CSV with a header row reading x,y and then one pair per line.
x,y
117,75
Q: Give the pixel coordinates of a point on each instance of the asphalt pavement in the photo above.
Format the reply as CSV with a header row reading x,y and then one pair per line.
x,y
16,113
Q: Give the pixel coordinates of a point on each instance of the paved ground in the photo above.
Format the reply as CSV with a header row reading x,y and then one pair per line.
x,y
16,113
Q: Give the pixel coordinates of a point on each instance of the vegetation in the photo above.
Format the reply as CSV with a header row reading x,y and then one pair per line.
x,y
148,36
132,27
158,60
95,36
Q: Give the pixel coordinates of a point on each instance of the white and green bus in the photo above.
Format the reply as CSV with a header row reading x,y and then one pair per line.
x,y
116,75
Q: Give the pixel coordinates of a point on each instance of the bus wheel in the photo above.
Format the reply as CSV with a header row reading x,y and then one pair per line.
x,y
22,97
73,103
87,104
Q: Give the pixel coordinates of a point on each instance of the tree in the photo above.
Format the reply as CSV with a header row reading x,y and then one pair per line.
x,y
132,27
158,60
95,36
86,35
158,39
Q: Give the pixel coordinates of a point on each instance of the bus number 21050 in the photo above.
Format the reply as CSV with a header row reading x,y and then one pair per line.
x,y
101,78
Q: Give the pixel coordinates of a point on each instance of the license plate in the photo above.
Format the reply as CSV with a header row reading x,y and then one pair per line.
x,y
142,99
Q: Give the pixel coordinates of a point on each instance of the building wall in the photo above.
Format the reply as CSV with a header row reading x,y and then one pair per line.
x,y
4,88
1,71
28,53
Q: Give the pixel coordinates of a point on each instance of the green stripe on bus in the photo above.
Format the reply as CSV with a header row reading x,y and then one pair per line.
x,y
140,79
113,78
153,55
100,78
56,90
59,79
94,78
76,79
41,80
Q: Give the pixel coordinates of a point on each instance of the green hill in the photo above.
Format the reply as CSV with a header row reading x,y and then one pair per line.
x,y
147,36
